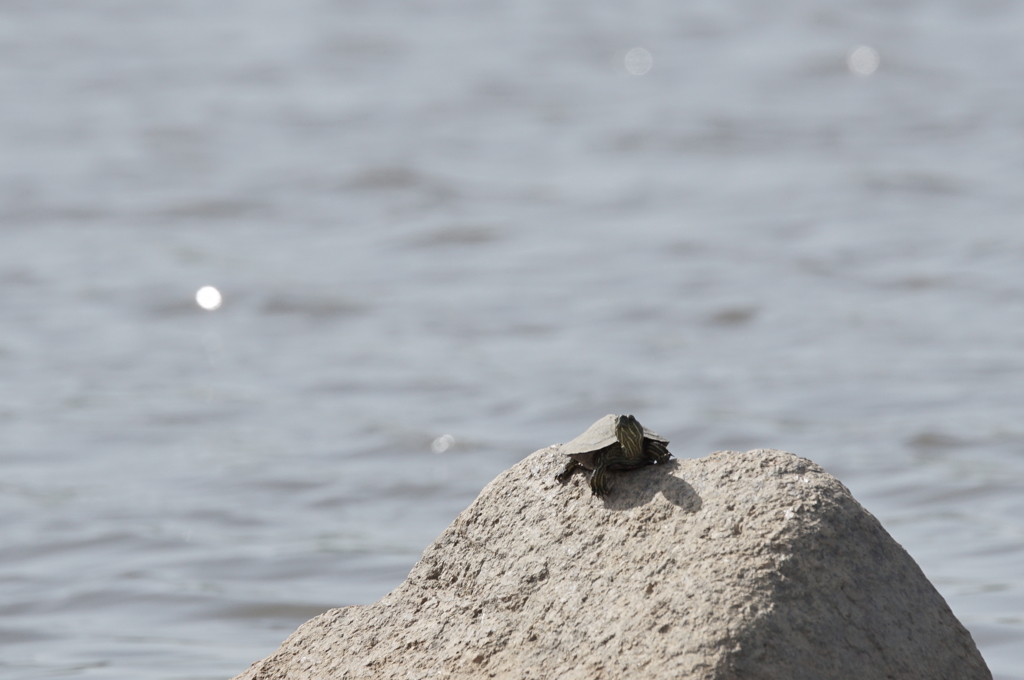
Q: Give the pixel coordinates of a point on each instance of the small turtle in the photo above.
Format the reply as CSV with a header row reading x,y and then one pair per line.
x,y
613,443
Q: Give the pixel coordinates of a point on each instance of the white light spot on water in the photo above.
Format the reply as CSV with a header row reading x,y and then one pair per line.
x,y
639,61
208,298
863,60
442,443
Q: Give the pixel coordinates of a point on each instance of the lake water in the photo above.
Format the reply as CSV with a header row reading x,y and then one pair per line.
x,y
470,219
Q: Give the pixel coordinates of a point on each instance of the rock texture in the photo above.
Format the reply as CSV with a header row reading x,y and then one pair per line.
x,y
755,565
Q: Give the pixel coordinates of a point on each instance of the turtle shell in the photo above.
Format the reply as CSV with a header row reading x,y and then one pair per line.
x,y
599,436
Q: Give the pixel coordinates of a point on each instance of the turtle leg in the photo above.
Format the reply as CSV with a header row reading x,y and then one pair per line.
x,y
570,467
657,451
598,483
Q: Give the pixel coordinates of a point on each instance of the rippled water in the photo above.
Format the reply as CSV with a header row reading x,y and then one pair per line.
x,y
470,219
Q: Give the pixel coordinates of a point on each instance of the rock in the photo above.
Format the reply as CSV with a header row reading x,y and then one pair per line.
x,y
755,565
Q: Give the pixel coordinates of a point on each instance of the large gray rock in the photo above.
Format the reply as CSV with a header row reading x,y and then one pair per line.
x,y
755,565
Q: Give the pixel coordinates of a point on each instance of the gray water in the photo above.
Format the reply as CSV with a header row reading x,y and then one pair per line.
x,y
466,218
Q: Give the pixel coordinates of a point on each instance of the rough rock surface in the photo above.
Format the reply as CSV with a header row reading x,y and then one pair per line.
x,y
755,565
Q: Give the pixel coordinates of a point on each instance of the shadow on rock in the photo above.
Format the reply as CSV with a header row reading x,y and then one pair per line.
x,y
633,488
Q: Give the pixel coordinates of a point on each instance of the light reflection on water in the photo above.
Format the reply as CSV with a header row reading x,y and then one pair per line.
x,y
639,61
209,298
442,443
863,60
440,221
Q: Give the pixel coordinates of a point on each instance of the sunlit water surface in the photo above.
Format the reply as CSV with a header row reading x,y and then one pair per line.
x,y
497,222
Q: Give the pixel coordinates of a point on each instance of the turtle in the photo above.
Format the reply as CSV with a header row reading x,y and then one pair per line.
x,y
612,443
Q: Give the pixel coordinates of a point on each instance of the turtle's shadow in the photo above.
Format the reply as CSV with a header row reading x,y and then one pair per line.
x,y
633,488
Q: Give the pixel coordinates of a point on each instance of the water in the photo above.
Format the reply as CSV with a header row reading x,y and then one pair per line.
x,y
472,220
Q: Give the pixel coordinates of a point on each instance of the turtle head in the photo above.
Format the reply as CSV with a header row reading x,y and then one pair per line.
x,y
630,434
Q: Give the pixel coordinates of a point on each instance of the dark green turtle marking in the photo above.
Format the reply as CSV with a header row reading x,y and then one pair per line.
x,y
613,443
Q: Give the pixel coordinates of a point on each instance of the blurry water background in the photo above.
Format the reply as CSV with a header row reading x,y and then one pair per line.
x,y
472,219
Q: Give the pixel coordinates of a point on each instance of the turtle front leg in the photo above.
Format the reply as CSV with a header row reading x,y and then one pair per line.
x,y
657,451
570,467
598,483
